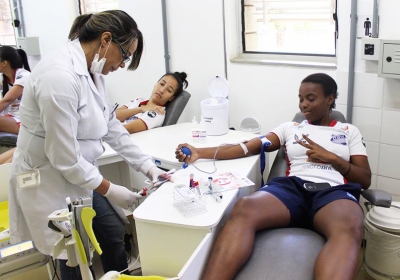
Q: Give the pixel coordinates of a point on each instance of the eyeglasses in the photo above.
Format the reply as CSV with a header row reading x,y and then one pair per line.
x,y
125,56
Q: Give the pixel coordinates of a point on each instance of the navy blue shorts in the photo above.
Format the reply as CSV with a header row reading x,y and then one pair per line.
x,y
304,204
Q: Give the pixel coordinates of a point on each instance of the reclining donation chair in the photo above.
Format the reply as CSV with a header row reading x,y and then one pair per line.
x,y
175,108
290,253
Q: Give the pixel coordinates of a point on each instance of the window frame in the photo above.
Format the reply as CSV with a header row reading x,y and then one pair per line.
x,y
82,6
280,58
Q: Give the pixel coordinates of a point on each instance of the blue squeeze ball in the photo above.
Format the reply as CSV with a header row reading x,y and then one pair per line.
x,y
187,152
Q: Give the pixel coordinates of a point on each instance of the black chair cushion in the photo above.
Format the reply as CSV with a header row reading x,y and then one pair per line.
x,y
175,108
8,139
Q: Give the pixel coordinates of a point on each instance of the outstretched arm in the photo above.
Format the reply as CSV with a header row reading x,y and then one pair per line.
x,y
229,151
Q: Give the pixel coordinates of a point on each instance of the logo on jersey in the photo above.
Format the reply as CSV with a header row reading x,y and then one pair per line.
x,y
339,139
152,114
345,128
132,118
299,126
297,138
18,77
317,166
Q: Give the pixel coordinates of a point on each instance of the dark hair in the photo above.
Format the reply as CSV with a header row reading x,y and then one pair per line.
x,y
327,83
16,58
180,77
122,26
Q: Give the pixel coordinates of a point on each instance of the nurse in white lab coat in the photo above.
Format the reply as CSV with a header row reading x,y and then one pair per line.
x,y
65,114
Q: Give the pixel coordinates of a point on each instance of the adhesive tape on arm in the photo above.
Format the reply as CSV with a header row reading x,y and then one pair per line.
x,y
245,150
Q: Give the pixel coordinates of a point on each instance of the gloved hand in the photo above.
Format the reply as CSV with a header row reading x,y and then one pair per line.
x,y
155,172
121,196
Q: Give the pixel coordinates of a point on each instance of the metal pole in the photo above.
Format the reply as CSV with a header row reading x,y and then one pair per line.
x,y
21,14
18,16
353,36
224,35
375,20
12,18
165,32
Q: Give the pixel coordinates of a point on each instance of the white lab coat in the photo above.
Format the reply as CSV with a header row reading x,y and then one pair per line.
x,y
64,117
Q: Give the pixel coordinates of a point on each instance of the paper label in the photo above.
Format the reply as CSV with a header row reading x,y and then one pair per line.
x,y
28,179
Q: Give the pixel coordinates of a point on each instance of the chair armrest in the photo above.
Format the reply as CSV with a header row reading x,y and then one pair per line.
x,y
378,197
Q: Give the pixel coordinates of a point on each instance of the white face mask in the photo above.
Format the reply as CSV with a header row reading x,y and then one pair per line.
x,y
98,65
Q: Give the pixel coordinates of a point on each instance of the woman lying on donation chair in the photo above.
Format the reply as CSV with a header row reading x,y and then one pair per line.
x,y
15,71
141,114
318,150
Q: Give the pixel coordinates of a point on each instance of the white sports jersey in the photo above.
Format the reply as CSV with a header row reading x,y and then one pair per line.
x,y
150,118
21,75
342,139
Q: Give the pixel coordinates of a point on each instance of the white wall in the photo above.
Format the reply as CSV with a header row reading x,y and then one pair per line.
x,y
196,41
49,20
195,44
123,85
268,93
376,109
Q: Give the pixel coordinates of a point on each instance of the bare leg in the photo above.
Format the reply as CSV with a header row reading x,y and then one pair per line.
x,y
7,156
341,222
8,124
234,244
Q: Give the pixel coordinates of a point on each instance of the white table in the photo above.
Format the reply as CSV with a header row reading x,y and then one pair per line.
x,y
167,238
161,143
